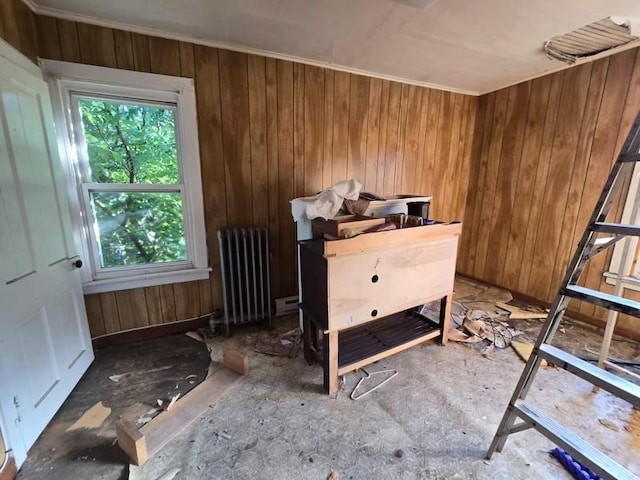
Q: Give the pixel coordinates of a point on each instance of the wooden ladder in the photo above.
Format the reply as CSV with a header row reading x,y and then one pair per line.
x,y
598,236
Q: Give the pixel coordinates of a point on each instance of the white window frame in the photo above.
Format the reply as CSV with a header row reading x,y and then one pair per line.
x,y
67,82
616,263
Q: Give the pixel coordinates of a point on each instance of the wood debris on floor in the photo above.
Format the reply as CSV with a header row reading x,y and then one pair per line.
x,y
142,443
92,418
286,345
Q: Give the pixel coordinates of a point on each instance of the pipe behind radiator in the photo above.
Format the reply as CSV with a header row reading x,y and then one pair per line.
x,y
244,266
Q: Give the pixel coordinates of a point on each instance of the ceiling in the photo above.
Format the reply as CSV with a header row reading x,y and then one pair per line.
x,y
459,45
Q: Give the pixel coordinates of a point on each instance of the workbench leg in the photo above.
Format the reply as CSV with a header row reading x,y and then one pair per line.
x,y
308,331
445,318
330,362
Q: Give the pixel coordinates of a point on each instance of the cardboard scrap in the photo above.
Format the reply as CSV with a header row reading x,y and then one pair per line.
x,y
524,351
92,418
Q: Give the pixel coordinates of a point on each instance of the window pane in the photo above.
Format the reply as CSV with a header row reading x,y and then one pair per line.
x,y
138,228
129,143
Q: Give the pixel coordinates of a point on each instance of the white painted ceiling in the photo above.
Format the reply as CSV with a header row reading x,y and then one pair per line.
x,y
462,45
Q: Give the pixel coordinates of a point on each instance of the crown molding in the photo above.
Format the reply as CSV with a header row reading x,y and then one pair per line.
x,y
76,17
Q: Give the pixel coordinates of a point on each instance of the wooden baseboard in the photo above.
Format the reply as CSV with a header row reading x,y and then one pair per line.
x,y
581,317
148,333
9,470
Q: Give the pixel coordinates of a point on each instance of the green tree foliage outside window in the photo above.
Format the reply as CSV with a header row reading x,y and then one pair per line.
x,y
134,144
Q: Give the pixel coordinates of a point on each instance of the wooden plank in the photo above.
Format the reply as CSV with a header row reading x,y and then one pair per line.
x,y
522,205
330,349
154,306
187,60
206,303
342,84
132,442
211,157
491,177
390,238
451,170
357,131
327,160
554,201
382,135
48,40
187,298
431,142
392,139
234,93
286,268
408,274
124,50
25,18
443,143
271,111
574,221
512,143
9,20
313,128
413,140
132,307
298,130
402,124
470,151
477,182
141,52
164,56
140,444
68,35
236,362
603,152
258,141
110,313
94,315
543,160
167,303
97,45
373,134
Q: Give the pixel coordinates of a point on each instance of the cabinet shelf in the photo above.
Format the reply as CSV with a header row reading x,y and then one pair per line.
x,y
372,341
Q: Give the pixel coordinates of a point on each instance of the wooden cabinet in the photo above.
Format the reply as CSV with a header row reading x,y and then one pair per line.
x,y
359,293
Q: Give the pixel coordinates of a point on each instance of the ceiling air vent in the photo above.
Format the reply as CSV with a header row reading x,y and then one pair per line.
x,y
605,34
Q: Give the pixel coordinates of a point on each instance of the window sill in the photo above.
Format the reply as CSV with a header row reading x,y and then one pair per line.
x,y
630,283
145,280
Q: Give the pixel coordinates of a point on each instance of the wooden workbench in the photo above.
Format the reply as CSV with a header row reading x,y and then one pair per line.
x,y
359,295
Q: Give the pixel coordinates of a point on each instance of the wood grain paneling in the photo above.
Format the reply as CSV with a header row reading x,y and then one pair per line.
x,y
545,150
270,130
18,27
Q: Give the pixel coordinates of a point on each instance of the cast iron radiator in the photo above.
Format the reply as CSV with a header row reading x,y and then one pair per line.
x,y
244,266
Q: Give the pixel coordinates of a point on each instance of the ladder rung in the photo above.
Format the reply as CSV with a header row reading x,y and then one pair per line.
x,y
593,374
616,228
612,302
629,157
579,449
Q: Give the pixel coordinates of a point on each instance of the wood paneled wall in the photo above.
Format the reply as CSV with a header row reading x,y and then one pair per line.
x,y
546,148
17,27
273,130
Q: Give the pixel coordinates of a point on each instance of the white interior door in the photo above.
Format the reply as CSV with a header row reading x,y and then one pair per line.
x,y
45,345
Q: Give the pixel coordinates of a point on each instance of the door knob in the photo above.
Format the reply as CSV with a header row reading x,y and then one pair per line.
x,y
77,263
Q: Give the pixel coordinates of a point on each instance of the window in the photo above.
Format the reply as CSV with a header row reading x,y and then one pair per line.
x,y
631,270
131,146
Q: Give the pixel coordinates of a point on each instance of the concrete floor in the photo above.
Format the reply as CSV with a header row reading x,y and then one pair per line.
x,y
434,420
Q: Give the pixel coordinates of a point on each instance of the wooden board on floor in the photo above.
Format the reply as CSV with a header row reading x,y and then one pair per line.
x,y
140,444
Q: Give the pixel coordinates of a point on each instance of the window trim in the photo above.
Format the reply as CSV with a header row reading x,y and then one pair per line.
x,y
65,79
615,264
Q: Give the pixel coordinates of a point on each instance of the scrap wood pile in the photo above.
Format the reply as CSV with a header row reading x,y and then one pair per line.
x,y
486,326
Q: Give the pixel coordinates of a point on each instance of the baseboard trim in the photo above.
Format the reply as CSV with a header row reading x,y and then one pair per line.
x,y
148,333
581,317
9,470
